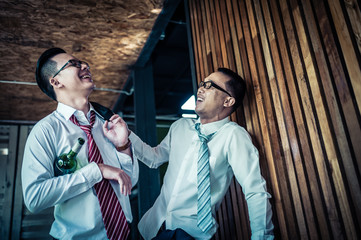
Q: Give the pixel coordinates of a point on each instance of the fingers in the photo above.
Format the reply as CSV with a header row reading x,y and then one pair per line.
x,y
117,174
125,184
105,127
121,120
113,117
116,118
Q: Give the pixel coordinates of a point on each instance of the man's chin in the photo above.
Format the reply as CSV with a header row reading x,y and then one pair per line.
x,y
198,111
92,87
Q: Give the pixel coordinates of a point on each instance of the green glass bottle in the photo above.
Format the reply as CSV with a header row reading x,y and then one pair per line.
x,y
66,162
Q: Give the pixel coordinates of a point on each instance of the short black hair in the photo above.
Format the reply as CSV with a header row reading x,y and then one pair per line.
x,y
45,69
236,85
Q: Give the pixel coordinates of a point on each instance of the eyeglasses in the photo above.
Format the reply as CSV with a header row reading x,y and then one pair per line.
x,y
74,63
209,84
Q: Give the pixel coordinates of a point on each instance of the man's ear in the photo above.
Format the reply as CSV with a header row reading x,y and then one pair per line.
x,y
229,102
55,83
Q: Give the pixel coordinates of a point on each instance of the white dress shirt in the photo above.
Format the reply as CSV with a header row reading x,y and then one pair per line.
x,y
231,152
77,210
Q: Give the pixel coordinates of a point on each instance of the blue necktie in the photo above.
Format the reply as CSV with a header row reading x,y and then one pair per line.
x,y
204,212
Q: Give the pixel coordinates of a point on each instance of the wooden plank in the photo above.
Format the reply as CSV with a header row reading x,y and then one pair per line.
x,y
244,72
334,110
300,109
196,41
203,59
221,221
294,147
228,216
254,126
227,35
235,209
233,41
238,41
349,54
211,39
327,138
265,106
218,54
350,111
304,149
207,47
217,234
293,178
244,232
191,46
301,178
251,124
311,122
353,12
221,34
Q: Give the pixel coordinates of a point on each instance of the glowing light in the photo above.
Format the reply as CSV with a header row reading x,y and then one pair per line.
x,y
190,104
187,115
156,10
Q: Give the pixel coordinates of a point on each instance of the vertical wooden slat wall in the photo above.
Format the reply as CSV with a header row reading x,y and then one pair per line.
x,y
302,64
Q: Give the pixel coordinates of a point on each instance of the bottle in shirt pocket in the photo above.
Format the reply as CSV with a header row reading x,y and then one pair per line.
x,y
67,162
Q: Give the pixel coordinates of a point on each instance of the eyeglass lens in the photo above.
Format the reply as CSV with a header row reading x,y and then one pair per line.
x,y
78,63
74,63
209,84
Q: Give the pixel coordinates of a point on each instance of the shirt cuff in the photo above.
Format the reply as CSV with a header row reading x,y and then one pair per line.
x,y
91,173
262,235
132,137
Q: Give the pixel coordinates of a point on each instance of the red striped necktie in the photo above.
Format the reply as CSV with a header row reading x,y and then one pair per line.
x,y
113,216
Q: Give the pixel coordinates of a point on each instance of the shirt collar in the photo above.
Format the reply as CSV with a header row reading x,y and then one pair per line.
x,y
68,111
212,127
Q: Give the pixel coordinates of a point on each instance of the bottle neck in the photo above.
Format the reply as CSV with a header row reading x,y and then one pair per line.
x,y
73,152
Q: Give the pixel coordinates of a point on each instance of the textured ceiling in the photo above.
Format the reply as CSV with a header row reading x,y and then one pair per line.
x,y
109,35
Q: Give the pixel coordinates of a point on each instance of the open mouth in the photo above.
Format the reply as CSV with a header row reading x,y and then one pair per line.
x,y
200,99
87,77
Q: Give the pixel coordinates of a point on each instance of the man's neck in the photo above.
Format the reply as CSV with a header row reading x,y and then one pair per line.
x,y
81,104
205,120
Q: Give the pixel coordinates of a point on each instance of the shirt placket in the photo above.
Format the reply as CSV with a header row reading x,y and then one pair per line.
x,y
184,172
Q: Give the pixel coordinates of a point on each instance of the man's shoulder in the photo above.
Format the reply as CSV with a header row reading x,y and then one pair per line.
x,y
186,120
183,122
233,128
47,123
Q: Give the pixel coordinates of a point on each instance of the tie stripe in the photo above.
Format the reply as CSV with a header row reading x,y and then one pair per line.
x,y
204,210
113,216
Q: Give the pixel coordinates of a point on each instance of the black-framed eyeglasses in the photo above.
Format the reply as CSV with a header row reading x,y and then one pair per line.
x,y
209,84
74,63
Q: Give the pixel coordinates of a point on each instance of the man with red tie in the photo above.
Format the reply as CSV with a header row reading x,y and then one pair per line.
x,y
93,201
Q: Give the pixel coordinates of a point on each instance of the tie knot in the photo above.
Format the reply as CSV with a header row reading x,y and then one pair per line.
x,y
202,137
86,128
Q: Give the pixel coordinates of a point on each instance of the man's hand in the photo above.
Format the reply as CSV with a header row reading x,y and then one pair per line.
x,y
116,130
117,174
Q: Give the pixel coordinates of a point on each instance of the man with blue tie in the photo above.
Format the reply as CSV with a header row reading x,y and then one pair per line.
x,y
203,156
